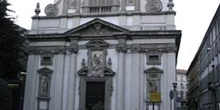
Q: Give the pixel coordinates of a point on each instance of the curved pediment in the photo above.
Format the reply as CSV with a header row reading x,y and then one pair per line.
x,y
97,43
106,72
153,70
96,27
45,70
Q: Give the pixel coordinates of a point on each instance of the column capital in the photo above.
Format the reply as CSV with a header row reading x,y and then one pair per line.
x,y
73,45
121,46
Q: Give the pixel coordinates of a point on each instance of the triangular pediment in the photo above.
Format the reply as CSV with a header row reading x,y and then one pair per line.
x,y
96,27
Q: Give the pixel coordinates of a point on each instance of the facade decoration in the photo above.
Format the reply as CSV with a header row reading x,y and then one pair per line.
x,y
153,80
170,5
51,10
103,54
153,6
72,4
37,10
44,82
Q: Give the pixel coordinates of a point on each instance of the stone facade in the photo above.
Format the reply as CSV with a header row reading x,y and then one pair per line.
x,y
102,55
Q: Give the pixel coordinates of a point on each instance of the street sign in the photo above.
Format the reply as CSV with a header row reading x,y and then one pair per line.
x,y
155,97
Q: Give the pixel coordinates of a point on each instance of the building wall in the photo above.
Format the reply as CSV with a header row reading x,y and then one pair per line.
x,y
208,68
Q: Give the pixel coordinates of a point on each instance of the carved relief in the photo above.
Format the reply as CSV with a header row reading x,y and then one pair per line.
x,y
97,64
51,10
153,6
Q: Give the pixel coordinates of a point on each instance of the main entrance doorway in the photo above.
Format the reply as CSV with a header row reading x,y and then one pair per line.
x,y
95,95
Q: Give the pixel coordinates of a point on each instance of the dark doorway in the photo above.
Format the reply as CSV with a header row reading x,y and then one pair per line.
x,y
95,95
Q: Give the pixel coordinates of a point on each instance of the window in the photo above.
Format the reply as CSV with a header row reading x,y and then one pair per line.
x,y
181,94
100,6
46,60
181,78
153,59
182,86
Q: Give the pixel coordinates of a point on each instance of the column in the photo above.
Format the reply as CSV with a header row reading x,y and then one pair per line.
x,y
72,75
121,48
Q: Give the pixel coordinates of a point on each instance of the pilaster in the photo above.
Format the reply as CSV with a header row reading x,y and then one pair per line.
x,y
120,93
135,77
123,3
57,82
72,75
30,100
137,5
78,6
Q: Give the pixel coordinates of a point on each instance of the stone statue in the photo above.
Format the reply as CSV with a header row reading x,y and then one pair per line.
x,y
152,86
96,63
44,85
96,66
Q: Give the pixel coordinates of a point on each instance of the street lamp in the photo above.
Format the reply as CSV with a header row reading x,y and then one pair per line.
x,y
174,90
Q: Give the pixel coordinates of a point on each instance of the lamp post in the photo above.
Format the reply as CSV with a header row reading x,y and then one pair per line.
x,y
174,90
171,98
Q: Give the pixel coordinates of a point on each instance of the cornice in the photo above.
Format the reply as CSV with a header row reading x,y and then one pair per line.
x,y
124,13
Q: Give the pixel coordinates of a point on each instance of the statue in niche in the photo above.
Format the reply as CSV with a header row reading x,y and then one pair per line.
x,y
152,86
96,65
44,85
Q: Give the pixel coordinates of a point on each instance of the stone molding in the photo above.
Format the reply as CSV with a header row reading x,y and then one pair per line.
x,y
120,47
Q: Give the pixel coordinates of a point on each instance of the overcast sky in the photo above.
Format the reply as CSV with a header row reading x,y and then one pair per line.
x,y
193,18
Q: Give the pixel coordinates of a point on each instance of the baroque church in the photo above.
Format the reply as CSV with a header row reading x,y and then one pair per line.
x,y
102,55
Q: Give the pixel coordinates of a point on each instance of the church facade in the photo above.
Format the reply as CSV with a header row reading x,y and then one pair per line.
x,y
102,55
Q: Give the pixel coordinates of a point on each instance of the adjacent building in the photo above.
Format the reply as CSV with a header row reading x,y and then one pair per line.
x,y
193,84
205,70
102,55
181,89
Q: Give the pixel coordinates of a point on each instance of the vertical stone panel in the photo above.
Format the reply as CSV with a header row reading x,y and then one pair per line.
x,y
72,83
57,82
135,78
120,81
66,81
31,83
